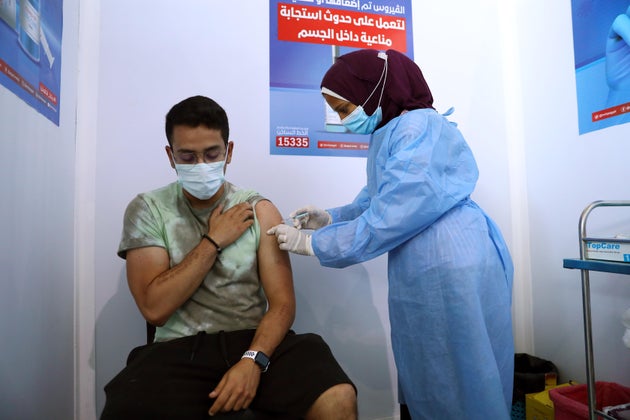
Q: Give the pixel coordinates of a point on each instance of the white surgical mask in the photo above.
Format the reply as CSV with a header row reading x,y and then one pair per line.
x,y
358,121
201,180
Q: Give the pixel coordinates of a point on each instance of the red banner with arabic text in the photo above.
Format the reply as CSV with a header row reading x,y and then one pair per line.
x,y
339,27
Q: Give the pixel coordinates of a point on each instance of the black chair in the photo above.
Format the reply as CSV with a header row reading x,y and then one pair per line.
x,y
404,412
248,414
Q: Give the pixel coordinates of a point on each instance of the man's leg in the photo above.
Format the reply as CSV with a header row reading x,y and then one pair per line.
x,y
166,380
305,380
338,402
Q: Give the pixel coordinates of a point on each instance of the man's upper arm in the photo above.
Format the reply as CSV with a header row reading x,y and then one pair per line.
x,y
143,266
274,265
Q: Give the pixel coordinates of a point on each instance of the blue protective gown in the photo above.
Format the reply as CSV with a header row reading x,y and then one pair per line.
x,y
450,272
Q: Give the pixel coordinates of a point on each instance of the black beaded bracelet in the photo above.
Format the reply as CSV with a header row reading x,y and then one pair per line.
x,y
213,242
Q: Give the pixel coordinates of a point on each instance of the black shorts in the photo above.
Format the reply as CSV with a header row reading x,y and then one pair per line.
x,y
172,379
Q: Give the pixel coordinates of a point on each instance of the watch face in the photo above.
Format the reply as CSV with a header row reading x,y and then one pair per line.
x,y
262,360
259,358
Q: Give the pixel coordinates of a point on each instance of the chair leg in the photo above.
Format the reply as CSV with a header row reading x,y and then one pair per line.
x,y
404,412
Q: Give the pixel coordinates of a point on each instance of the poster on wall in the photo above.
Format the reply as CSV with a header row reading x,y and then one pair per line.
x,y
601,45
30,52
305,38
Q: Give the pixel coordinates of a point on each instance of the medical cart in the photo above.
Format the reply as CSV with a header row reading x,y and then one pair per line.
x,y
585,266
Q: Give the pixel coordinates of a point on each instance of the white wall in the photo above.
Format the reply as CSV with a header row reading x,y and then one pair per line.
x,y
525,116
465,52
153,55
511,66
565,172
508,70
37,168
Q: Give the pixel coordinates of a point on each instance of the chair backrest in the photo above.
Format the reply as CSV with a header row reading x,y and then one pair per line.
x,y
150,333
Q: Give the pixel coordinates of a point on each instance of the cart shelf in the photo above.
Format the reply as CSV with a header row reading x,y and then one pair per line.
x,y
596,265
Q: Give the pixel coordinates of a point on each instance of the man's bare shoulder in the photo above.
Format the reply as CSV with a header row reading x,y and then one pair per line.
x,y
268,214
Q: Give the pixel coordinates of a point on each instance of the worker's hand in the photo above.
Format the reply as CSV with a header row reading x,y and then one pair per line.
x,y
237,388
226,227
292,240
310,217
618,53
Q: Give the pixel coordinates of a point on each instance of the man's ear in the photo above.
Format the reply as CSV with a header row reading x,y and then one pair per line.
x,y
169,153
230,148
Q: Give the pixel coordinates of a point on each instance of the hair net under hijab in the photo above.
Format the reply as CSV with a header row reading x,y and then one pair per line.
x,y
355,75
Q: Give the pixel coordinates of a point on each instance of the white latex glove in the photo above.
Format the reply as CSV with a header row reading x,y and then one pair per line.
x,y
310,217
292,240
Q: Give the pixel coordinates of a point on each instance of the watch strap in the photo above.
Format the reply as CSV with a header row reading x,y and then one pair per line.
x,y
260,358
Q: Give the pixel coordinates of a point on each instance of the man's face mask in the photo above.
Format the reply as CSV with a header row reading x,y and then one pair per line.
x,y
201,180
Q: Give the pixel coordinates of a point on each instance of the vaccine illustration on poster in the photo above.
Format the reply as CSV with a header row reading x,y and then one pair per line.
x,y
30,52
601,44
305,35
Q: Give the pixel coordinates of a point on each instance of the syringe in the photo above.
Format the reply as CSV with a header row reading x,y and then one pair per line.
x,y
291,220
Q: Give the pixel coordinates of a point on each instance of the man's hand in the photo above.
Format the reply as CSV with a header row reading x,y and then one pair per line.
x,y
226,227
237,388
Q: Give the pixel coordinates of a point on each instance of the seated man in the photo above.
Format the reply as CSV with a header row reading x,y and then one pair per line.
x,y
219,292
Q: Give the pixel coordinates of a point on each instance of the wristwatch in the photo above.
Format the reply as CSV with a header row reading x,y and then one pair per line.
x,y
259,357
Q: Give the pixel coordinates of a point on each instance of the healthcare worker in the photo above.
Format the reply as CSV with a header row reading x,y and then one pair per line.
x,y
449,270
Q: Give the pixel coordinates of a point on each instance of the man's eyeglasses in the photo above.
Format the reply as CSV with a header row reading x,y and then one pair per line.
x,y
191,158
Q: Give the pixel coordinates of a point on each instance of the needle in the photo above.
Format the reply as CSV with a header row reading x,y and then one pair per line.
x,y
290,220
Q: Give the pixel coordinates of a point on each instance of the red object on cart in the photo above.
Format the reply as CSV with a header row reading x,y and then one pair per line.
x,y
571,402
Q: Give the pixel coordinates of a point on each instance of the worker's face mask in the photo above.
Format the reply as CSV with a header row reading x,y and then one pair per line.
x,y
202,180
361,123
358,121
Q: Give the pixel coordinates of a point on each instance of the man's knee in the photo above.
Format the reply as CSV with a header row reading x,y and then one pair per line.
x,y
346,396
337,402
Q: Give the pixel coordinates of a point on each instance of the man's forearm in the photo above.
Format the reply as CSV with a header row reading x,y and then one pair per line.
x,y
273,328
172,288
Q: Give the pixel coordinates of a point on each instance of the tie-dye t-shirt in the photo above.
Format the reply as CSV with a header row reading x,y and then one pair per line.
x,y
230,297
